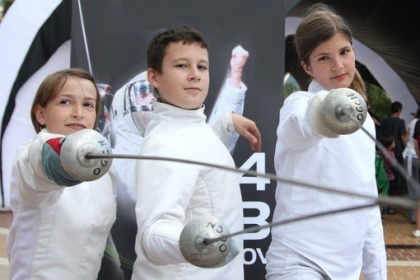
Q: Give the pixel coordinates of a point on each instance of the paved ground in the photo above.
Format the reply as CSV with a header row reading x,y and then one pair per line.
x,y
5,222
403,250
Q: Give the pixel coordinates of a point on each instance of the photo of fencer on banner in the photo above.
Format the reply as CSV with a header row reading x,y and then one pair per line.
x,y
246,42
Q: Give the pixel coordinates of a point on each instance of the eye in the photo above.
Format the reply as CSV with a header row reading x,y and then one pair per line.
x,y
89,105
64,101
322,58
345,51
181,65
203,67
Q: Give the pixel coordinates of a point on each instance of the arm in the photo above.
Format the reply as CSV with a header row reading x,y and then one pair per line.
x,y
248,129
229,100
404,134
416,139
29,177
237,62
234,124
404,139
160,206
377,123
232,95
416,147
294,129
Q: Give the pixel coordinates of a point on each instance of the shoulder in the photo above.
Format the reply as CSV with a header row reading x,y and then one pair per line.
x,y
299,95
297,99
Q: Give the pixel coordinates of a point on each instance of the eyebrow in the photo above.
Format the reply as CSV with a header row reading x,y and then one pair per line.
x,y
189,59
327,53
90,98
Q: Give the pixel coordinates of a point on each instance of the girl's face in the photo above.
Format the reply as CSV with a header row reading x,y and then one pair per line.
x,y
72,109
332,63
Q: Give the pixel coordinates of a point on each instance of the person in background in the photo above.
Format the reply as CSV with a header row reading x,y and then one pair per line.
x,y
394,125
411,163
389,163
232,94
335,246
381,176
415,191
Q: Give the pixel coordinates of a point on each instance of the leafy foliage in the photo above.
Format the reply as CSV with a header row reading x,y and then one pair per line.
x,y
380,102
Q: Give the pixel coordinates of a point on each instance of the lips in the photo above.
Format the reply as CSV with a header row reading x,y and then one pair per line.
x,y
339,77
193,88
76,126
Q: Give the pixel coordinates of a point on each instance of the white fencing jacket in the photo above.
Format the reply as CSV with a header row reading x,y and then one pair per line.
x,y
170,194
57,232
338,243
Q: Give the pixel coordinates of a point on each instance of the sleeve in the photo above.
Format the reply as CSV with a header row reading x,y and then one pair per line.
x,y
164,190
295,129
52,164
29,178
374,254
224,129
230,99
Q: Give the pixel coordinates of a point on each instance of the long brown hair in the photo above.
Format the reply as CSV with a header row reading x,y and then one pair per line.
x,y
320,24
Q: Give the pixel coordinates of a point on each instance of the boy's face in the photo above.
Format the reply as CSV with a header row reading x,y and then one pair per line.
x,y
184,81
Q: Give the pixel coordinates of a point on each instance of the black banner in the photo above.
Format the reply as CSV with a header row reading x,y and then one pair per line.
x,y
109,38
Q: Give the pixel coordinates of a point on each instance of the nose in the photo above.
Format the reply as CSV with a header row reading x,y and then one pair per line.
x,y
78,110
336,64
194,74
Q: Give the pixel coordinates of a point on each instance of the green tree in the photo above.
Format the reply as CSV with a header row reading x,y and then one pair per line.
x,y
380,102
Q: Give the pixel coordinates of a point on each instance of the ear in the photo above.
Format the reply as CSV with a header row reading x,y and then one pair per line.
x,y
152,78
307,68
39,114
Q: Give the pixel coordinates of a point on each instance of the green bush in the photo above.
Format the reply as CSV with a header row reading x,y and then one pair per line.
x,y
380,102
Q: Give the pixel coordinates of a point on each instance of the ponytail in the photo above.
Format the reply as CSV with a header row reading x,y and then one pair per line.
x,y
358,84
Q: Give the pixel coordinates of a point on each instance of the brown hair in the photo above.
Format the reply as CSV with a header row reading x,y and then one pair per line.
x,y
156,49
386,140
320,24
52,84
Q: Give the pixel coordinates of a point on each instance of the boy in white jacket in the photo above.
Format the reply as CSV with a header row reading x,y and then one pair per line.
x,y
169,194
